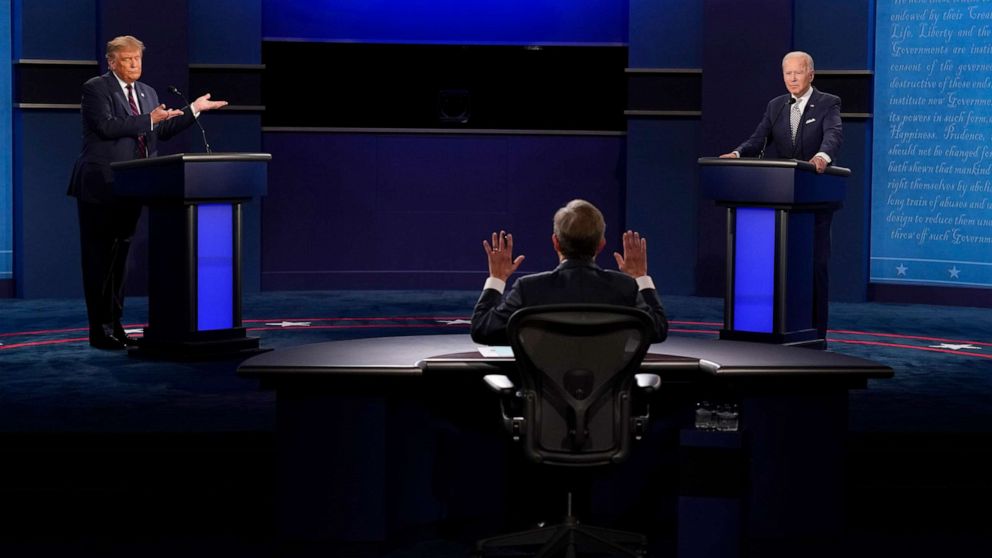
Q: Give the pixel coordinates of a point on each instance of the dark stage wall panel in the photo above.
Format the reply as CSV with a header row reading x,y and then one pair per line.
x,y
54,29
45,144
661,197
46,256
411,210
663,134
839,35
665,34
225,31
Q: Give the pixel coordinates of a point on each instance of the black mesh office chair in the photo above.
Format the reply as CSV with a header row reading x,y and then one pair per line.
x,y
578,364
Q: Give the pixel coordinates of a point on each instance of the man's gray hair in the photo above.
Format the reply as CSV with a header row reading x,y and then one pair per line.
x,y
579,226
800,54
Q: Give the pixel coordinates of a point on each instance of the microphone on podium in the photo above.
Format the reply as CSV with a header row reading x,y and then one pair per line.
x,y
175,91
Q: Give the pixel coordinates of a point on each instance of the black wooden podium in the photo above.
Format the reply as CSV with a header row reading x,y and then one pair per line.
x,y
194,238
771,210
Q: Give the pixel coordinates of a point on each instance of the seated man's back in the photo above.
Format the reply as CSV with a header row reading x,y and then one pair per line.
x,y
578,237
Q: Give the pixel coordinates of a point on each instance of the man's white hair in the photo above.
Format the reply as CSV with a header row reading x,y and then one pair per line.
x,y
800,54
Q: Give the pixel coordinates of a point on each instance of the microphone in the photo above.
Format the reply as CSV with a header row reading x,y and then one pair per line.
x,y
175,91
764,144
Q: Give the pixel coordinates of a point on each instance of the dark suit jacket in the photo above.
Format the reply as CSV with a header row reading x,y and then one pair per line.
x,y
572,281
819,130
110,134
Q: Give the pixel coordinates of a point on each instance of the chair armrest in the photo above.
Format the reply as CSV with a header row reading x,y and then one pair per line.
x,y
499,383
648,382
509,399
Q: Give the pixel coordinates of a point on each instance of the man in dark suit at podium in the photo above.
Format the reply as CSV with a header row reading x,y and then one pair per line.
x,y
804,124
578,238
122,120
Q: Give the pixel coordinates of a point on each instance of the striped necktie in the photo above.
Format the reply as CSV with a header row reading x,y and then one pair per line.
x,y
142,148
794,119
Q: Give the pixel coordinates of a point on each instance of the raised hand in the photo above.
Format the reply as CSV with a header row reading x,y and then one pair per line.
x,y
634,261
500,255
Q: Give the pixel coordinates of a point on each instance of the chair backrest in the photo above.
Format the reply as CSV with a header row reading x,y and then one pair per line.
x,y
577,364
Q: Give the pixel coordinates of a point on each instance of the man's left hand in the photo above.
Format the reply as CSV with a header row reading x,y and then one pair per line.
x,y
634,261
820,163
203,104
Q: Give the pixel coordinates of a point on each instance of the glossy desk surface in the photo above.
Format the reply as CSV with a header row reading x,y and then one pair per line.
x,y
424,354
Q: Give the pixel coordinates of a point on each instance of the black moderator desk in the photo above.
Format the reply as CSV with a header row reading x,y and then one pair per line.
x,y
356,463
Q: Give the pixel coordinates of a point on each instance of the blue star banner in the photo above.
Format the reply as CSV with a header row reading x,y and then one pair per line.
x,y
932,167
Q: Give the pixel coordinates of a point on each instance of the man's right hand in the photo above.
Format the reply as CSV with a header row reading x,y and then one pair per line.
x,y
634,261
161,113
500,255
730,156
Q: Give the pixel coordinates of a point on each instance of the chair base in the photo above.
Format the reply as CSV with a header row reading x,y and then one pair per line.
x,y
565,539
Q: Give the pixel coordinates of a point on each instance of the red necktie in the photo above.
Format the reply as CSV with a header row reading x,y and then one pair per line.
x,y
142,149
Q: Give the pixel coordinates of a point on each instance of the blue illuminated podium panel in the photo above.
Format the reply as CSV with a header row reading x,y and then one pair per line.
x,y
194,235
771,213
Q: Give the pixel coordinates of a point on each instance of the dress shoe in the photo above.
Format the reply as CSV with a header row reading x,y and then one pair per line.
x,y
106,342
124,338
102,337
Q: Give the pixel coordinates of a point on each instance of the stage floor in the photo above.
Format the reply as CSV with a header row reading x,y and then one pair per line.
x,y
109,455
53,381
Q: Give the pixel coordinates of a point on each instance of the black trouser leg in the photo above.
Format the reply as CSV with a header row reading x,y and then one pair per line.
x,y
117,278
105,238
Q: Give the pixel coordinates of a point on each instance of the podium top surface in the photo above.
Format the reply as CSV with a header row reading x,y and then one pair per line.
x,y
193,158
774,163
192,176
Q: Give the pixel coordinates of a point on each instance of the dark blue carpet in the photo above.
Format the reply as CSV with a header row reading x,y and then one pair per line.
x,y
52,381
106,455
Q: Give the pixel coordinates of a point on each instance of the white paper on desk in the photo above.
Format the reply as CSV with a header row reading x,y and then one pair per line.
x,y
496,351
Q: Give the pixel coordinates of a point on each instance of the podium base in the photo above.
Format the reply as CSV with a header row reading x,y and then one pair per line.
x,y
806,338
197,346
